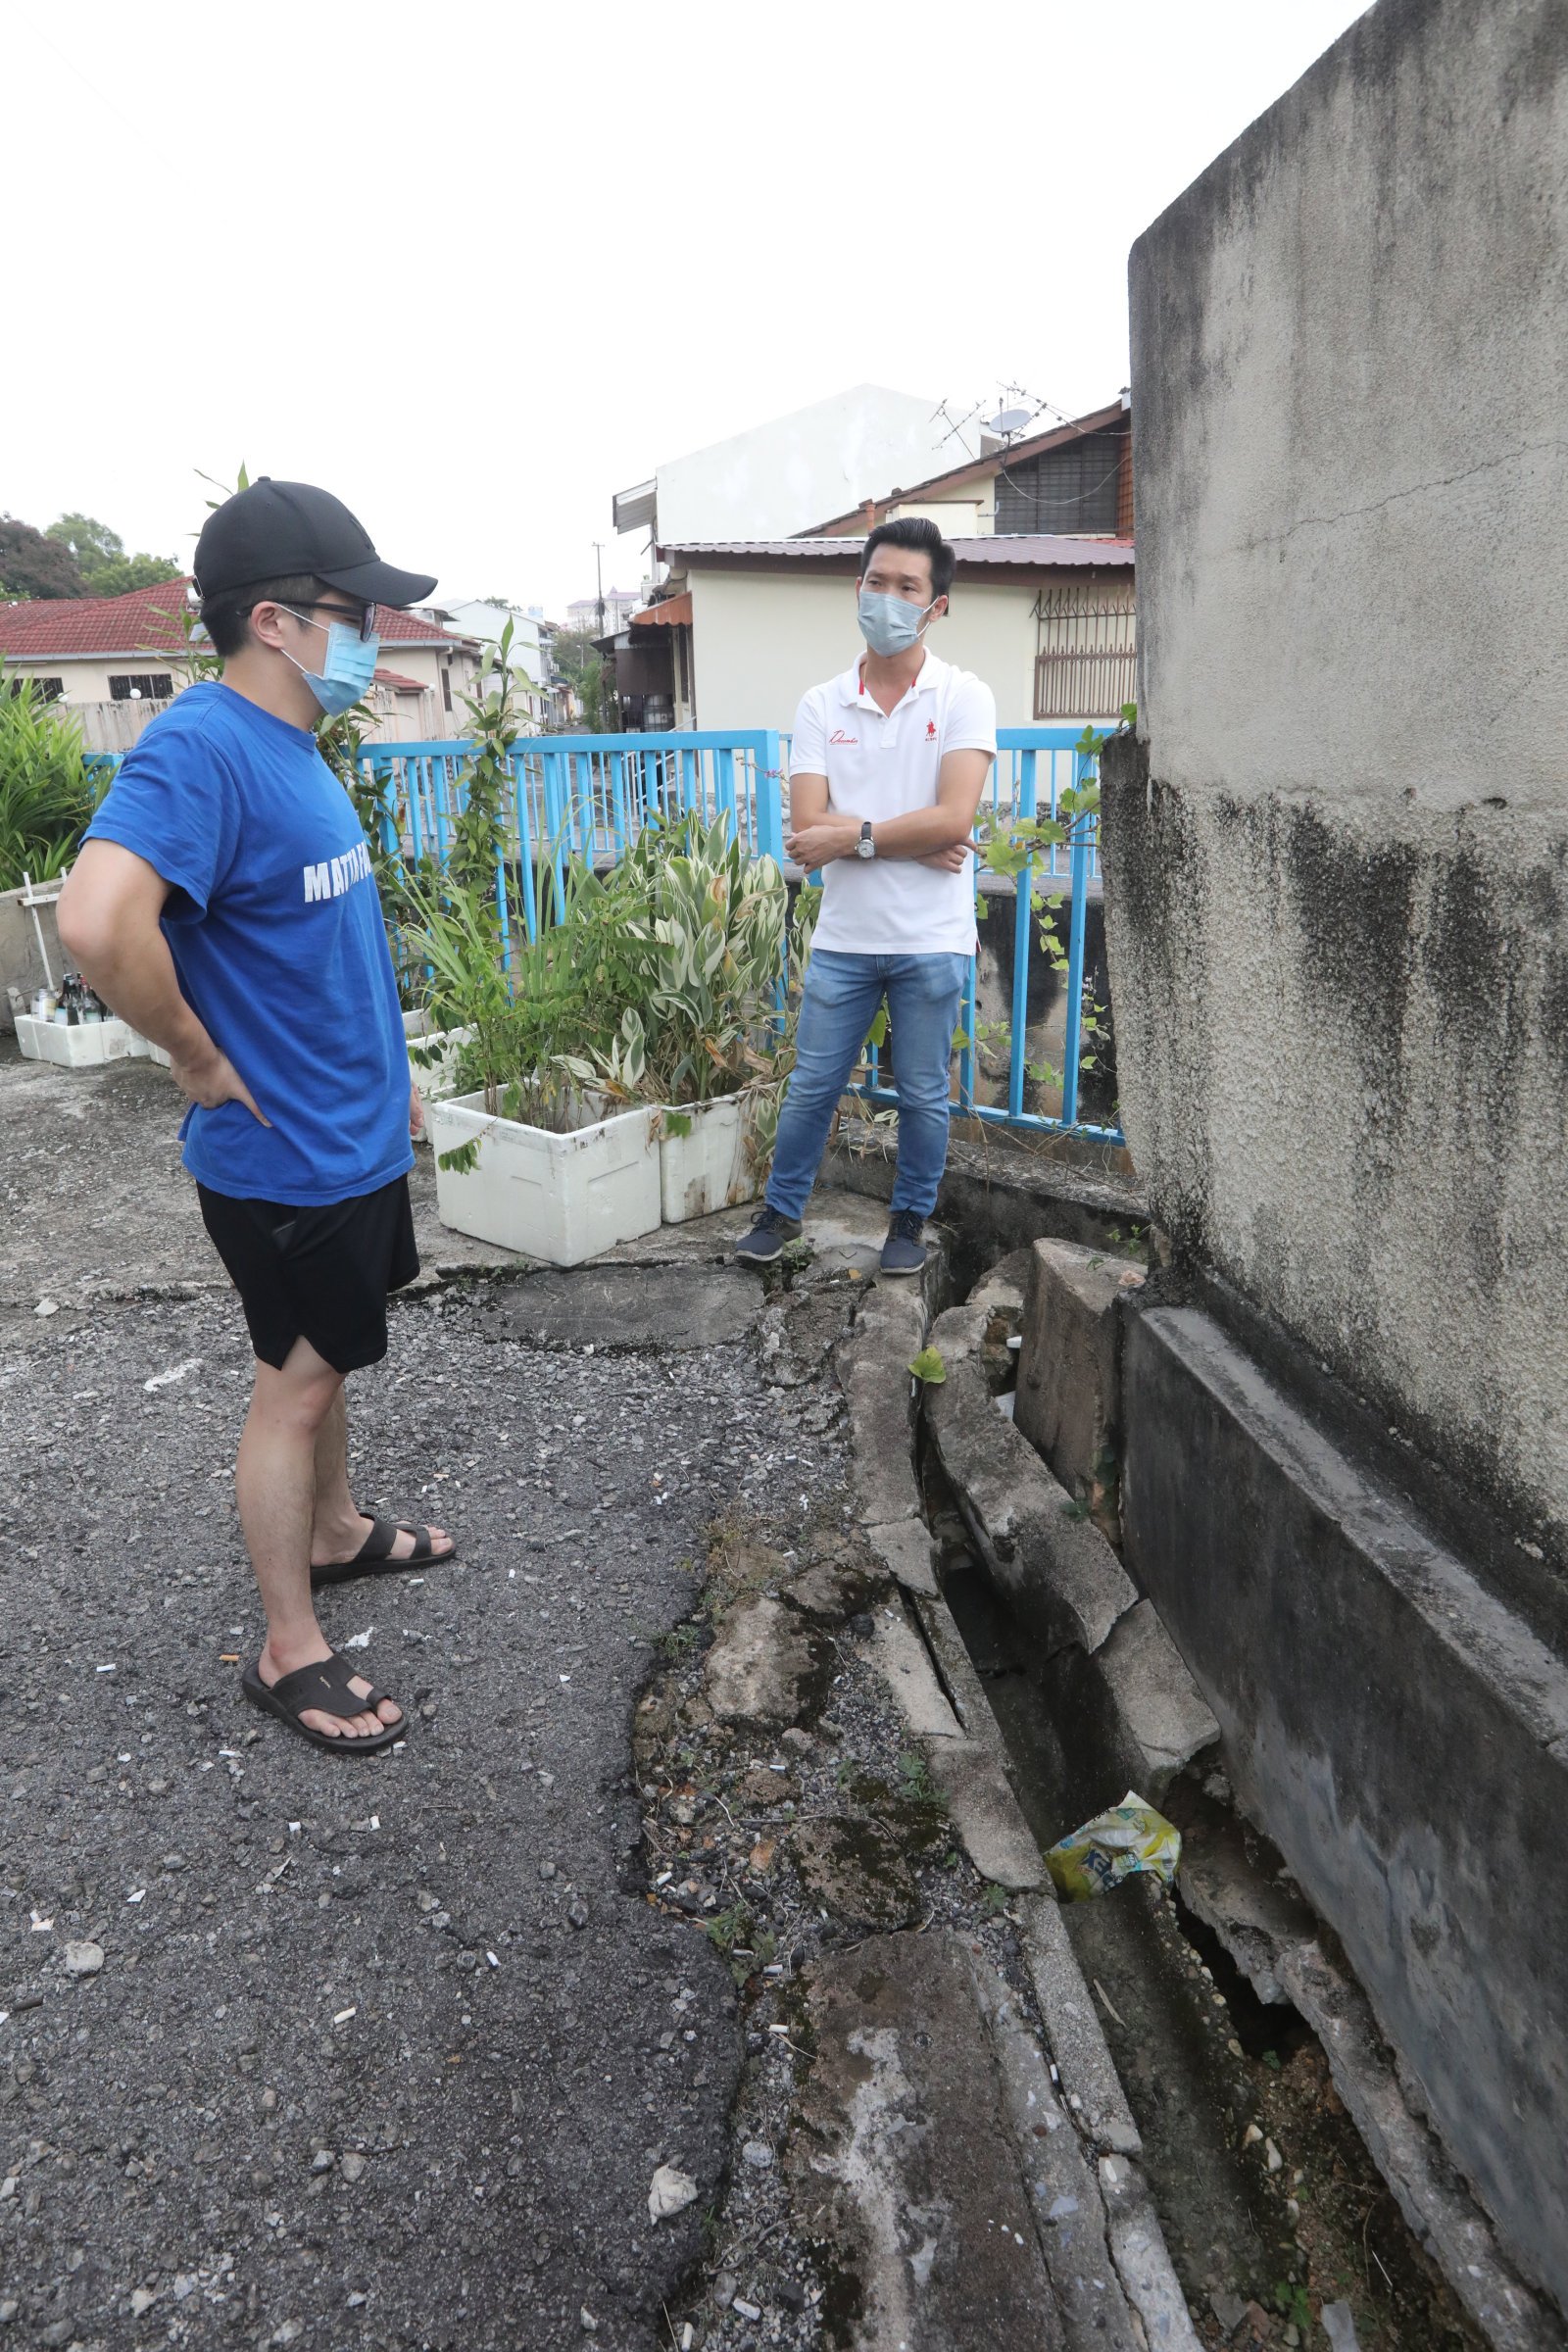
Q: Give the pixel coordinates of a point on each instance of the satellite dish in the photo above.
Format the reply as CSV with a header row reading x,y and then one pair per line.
x,y
1010,421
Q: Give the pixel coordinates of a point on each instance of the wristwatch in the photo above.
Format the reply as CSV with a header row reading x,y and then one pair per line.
x,y
865,847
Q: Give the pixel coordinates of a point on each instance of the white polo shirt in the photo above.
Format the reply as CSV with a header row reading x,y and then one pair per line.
x,y
880,766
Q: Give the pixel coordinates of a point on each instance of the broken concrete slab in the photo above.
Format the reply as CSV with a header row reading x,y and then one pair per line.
x,y
1161,1720
765,1667
903,1662
985,1814
1069,2212
956,1670
1089,2078
1005,1290
873,1368
965,1758
1069,1378
631,1306
1143,2259
903,2133
906,1551
1056,1568
854,1870
830,1590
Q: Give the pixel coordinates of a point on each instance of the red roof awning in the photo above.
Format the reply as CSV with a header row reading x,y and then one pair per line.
x,y
674,612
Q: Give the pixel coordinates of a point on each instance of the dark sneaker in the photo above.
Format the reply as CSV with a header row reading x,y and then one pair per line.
x,y
767,1239
904,1251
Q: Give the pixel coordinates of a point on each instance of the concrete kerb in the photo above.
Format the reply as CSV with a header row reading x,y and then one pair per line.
x,y
1055,1566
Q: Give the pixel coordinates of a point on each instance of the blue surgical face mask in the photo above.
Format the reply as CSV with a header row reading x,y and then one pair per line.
x,y
889,624
348,670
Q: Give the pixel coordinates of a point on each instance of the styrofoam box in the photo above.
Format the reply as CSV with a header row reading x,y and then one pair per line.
x,y
711,1168
87,1046
81,1048
558,1197
441,1078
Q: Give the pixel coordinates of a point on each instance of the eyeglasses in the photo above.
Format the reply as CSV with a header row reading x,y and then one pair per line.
x,y
362,623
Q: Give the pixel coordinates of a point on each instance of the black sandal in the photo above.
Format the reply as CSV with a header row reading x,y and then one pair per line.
x,y
374,1555
325,1688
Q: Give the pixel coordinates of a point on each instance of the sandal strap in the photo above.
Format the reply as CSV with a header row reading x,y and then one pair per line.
x,y
377,1544
326,1686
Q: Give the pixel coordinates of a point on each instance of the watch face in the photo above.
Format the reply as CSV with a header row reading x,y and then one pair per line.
x,y
866,849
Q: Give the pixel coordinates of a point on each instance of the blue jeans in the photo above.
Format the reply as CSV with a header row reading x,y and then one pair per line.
x,y
841,993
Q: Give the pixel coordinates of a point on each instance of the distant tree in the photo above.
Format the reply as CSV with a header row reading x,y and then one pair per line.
x,y
102,559
33,564
579,662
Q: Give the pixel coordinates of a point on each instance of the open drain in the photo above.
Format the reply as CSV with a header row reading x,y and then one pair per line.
x,y
1270,2203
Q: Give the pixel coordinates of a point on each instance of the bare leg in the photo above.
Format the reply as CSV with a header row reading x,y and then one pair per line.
x,y
275,1485
337,1529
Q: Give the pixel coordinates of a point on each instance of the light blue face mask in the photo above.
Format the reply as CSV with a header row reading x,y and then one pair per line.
x,y
889,624
348,670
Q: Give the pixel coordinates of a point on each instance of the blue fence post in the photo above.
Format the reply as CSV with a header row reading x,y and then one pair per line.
x,y
967,1050
1022,927
768,822
1072,1043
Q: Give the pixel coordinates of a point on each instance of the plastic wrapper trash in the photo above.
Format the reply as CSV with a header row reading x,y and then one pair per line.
x,y
1116,1845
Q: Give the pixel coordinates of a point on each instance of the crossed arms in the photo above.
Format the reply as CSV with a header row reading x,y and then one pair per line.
x,y
938,836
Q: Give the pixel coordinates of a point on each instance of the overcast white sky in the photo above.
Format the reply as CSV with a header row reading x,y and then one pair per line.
x,y
476,269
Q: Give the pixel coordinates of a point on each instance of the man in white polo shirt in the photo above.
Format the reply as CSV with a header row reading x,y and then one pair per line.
x,y
888,766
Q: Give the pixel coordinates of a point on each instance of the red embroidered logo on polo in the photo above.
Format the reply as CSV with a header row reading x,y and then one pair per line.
x,y
837,736
930,730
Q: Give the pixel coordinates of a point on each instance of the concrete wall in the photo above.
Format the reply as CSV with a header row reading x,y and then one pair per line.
x,y
1403,1738
761,638
1337,892
793,472
21,965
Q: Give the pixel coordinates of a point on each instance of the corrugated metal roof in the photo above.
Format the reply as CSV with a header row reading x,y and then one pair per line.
x,y
1029,551
147,620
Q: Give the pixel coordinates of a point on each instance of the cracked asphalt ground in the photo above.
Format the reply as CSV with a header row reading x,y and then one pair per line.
x,y
382,2052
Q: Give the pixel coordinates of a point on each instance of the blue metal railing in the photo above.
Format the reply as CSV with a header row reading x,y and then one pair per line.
x,y
1032,768
593,794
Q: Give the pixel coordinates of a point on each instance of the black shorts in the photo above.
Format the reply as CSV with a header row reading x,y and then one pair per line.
x,y
319,1274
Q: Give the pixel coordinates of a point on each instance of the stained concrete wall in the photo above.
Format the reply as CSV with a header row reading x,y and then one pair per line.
x,y
1338,890
1400,1734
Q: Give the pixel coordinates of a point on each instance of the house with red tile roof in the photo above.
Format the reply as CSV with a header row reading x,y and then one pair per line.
x,y
115,660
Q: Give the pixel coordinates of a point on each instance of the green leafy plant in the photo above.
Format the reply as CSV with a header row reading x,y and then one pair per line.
x,y
1008,848
47,790
712,922
484,785
1291,2301
929,1367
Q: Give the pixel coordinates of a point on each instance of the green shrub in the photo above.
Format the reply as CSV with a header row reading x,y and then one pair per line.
x,y
47,790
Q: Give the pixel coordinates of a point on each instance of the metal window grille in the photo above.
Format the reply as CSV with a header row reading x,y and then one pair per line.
x,y
149,686
1086,664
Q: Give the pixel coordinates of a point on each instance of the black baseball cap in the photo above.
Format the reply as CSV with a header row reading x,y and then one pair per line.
x,y
275,528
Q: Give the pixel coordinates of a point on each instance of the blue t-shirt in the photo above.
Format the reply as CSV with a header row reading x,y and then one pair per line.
x,y
275,927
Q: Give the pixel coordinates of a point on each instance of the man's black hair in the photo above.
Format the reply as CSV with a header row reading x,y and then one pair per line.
x,y
226,618
920,533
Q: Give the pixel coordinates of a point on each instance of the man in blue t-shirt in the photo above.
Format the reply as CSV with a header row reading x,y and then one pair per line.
x,y
223,903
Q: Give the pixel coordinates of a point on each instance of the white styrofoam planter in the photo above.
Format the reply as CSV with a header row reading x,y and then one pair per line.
x,y
87,1046
83,1048
558,1197
712,1167
440,1079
